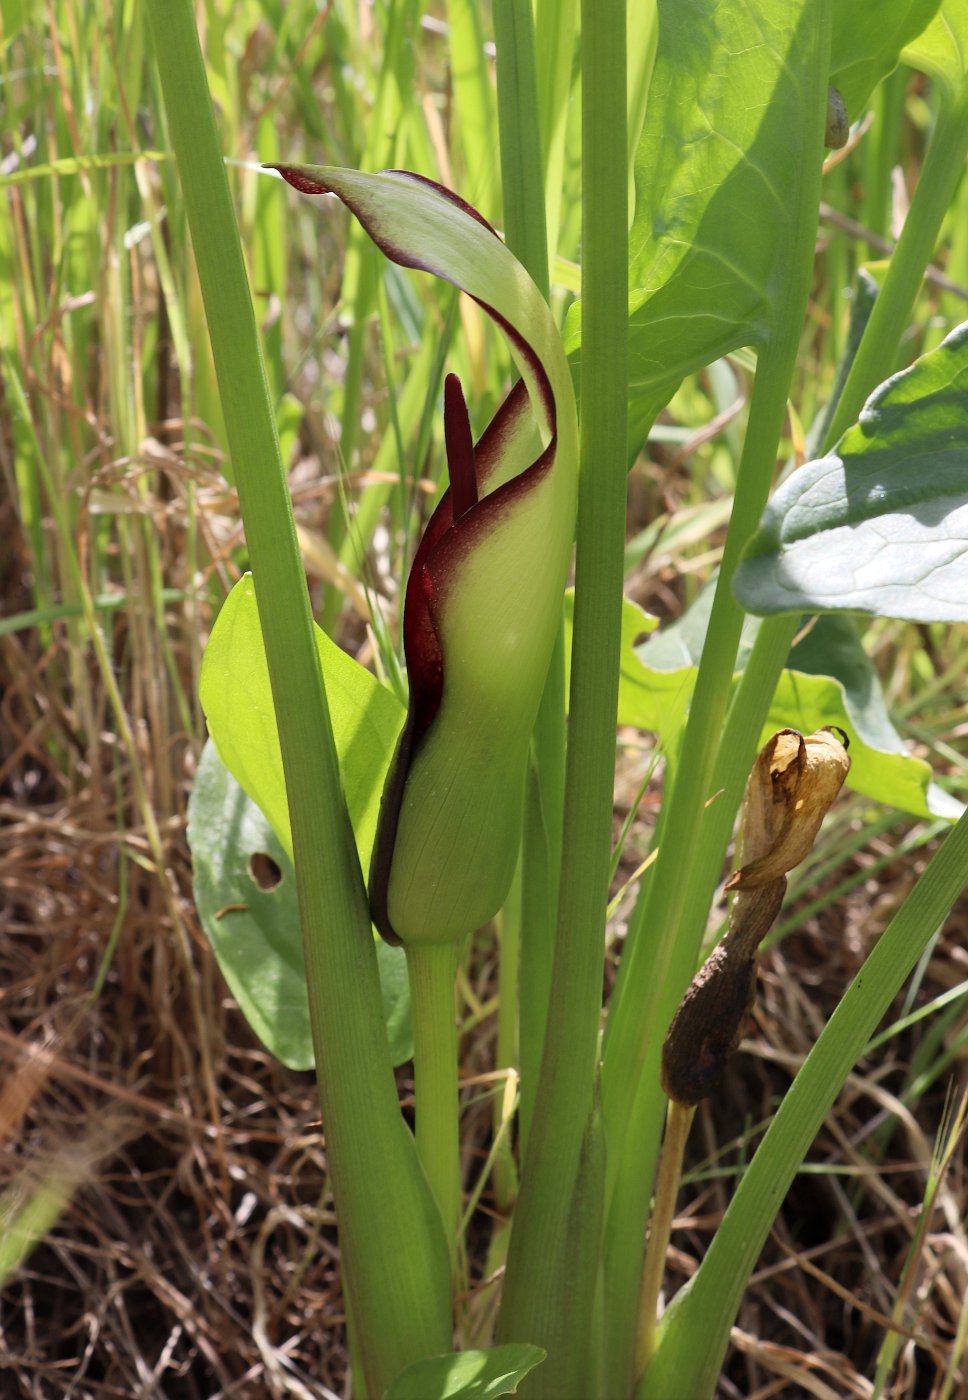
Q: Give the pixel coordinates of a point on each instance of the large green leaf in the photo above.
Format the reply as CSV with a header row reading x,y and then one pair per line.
x,y
237,700
467,1375
866,43
829,679
880,525
253,923
941,50
717,171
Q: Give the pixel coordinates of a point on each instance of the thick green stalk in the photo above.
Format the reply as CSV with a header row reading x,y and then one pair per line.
x,y
942,169
525,230
431,968
542,1247
526,234
651,967
537,904
695,1329
393,1249
659,966
660,963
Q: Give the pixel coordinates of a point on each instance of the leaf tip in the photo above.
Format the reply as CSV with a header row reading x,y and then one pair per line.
x,y
299,177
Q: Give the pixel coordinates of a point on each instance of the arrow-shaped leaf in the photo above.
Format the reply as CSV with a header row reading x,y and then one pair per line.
x,y
880,525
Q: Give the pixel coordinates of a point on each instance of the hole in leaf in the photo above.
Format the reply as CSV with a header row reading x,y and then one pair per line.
x,y
264,871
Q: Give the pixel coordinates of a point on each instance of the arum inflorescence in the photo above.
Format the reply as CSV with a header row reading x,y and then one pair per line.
x,y
484,597
790,790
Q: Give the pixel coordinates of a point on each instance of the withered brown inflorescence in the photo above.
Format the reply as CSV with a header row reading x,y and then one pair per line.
x,y
790,790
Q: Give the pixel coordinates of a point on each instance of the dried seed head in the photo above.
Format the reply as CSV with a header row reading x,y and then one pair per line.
x,y
709,1023
791,788
792,785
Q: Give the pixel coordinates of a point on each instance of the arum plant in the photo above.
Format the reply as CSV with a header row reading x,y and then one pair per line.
x,y
412,818
482,611
481,614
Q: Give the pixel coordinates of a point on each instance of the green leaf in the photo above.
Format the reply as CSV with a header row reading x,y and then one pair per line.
x,y
237,701
467,1375
829,680
253,924
636,623
880,525
866,43
941,50
717,170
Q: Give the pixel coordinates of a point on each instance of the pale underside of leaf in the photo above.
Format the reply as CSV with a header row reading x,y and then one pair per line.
x,y
881,524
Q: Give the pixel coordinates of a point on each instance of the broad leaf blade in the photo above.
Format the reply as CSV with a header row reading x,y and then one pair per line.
x,y
880,525
828,680
636,623
941,50
254,930
237,700
717,170
467,1375
866,43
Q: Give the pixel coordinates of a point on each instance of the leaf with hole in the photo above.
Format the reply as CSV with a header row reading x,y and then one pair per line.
x,y
245,892
237,700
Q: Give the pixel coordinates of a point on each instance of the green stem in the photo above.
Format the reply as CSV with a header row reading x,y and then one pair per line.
x,y
431,968
540,1246
660,966
506,1051
525,231
942,169
526,234
658,961
393,1250
678,1123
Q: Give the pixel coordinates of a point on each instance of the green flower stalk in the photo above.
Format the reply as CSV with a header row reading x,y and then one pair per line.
x,y
484,597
